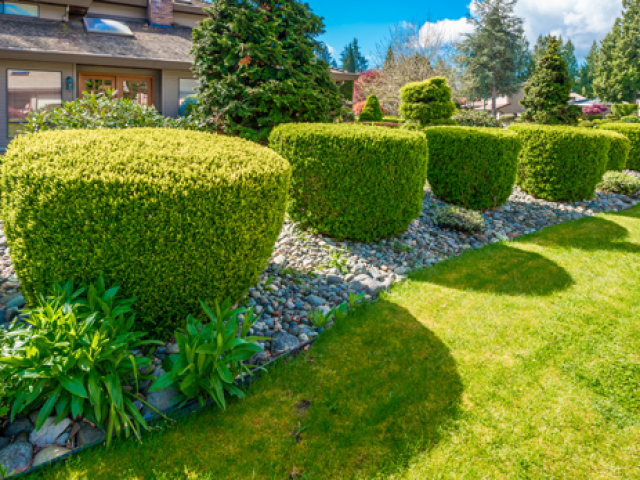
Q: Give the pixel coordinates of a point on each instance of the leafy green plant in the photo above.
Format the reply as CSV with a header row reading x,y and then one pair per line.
x,y
623,110
340,312
257,67
371,112
630,119
618,182
104,110
74,357
211,356
123,202
472,167
471,118
457,218
329,163
336,261
427,103
319,318
354,299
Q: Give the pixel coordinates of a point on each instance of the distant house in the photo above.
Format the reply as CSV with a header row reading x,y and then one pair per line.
x,y
504,104
53,50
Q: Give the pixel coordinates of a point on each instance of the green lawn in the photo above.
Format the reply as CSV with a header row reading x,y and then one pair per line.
x,y
517,361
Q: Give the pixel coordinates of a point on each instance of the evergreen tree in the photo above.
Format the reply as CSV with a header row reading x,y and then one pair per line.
x,y
546,95
348,59
362,63
617,74
389,59
584,82
540,48
256,67
524,60
323,53
569,56
490,55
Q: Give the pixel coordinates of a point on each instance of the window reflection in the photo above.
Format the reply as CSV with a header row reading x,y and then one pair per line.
x,y
187,96
31,91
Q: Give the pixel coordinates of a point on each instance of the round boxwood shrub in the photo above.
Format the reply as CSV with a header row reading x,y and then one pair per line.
x,y
560,162
632,132
474,168
353,181
619,149
371,112
172,216
427,103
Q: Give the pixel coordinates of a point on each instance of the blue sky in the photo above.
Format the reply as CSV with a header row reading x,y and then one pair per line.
x,y
369,20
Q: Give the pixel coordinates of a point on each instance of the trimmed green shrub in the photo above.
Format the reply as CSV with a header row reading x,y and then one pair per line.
x,y
172,216
371,112
623,110
472,167
391,120
632,132
611,116
456,218
560,163
630,119
353,181
471,118
619,149
427,103
597,116
586,124
618,182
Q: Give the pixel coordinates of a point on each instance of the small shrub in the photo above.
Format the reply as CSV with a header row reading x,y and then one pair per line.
x,y
391,120
371,112
358,106
74,357
352,181
630,119
620,183
586,124
457,218
472,167
172,216
632,132
105,111
611,116
560,163
347,115
623,110
619,149
471,118
427,103
211,356
596,116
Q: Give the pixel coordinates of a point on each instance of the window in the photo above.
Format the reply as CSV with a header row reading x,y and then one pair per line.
x,y
31,91
187,96
138,89
17,8
104,26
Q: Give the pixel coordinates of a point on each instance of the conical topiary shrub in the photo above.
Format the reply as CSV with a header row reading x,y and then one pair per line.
x,y
371,111
427,103
546,94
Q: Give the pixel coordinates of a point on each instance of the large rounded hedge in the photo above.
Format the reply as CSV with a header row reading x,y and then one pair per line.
x,y
353,181
632,132
560,163
619,149
472,167
172,216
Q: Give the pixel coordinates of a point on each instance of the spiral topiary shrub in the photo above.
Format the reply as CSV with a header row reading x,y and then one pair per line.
x,y
560,162
474,168
632,132
427,103
172,216
371,112
353,181
619,149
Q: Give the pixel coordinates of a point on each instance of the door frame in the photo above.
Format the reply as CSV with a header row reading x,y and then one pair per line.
x,y
118,79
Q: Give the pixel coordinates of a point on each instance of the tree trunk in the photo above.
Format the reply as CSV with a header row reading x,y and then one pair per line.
x,y
494,110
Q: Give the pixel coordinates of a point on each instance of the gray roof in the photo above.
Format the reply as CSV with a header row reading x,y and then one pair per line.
x,y
151,46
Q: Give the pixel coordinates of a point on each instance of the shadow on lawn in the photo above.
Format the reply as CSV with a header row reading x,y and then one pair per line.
x,y
371,394
595,233
502,270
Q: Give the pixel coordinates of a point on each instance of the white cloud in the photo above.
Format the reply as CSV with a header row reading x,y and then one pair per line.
x,y
453,29
331,49
583,21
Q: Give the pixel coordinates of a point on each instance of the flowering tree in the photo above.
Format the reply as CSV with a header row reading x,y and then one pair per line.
x,y
594,110
364,83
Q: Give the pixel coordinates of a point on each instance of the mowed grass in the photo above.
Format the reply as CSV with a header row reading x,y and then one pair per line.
x,y
517,361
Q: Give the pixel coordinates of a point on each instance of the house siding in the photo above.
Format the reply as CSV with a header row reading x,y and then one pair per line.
x,y
52,12
187,19
114,10
65,68
171,90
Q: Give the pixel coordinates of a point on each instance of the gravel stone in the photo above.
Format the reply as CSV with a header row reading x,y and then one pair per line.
x,y
16,456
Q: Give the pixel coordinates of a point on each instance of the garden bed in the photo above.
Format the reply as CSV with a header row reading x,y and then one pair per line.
x,y
308,272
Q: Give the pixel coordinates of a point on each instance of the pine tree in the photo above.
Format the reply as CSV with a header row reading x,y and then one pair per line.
x,y
540,48
490,55
248,81
524,60
617,72
584,82
348,59
323,53
361,62
569,56
546,95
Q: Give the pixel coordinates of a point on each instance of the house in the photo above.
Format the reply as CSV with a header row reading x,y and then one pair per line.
x,y
511,104
51,51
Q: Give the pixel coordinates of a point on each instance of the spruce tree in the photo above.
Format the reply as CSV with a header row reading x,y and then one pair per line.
x,y
546,94
584,83
256,67
390,59
348,59
489,55
569,56
323,53
617,72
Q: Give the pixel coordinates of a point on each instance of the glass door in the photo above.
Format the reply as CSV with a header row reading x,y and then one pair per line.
x,y
96,84
136,89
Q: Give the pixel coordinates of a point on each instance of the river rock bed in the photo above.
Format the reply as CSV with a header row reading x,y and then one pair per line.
x,y
306,272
